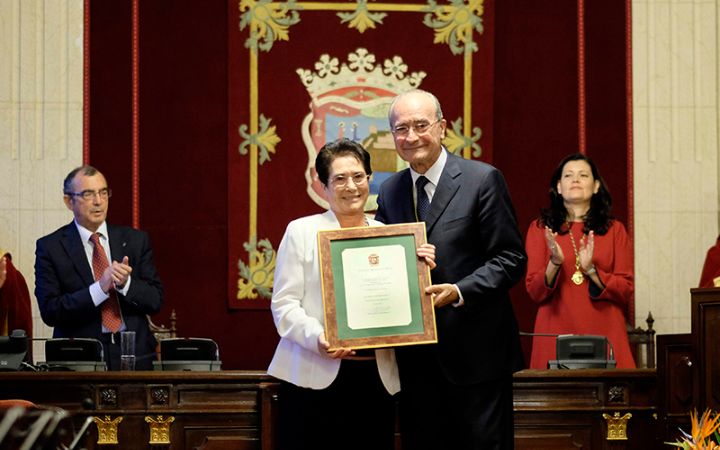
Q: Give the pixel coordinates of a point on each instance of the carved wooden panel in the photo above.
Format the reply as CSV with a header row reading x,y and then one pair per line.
x,y
565,409
208,410
675,373
554,409
218,439
705,324
676,384
554,437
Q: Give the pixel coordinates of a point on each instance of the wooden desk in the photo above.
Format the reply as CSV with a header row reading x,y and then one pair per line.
x,y
574,409
554,409
208,410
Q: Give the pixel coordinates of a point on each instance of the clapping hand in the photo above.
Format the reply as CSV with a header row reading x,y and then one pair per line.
x,y
556,254
587,246
121,272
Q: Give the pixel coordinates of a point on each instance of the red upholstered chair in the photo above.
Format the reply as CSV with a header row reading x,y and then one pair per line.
x,y
7,404
24,425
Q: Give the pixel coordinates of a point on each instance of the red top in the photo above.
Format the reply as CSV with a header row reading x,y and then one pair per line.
x,y
567,308
15,310
711,268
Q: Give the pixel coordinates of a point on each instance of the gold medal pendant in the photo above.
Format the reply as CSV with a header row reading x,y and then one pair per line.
x,y
577,277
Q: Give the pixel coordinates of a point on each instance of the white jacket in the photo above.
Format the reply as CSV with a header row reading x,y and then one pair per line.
x,y
297,309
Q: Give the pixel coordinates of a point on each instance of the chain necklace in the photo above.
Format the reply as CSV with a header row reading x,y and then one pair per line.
x,y
577,277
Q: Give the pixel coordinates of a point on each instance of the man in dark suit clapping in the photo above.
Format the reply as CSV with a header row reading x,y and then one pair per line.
x,y
456,395
94,280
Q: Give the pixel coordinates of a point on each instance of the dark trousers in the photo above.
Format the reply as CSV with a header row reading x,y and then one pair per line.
x,y
438,415
354,412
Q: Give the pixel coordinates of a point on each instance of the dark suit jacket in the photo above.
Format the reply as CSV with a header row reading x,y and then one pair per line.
x,y
478,247
63,276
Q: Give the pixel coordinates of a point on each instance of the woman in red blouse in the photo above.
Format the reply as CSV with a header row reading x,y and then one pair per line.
x,y
579,264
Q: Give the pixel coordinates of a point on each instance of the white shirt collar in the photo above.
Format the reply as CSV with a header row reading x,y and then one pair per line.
x,y
85,233
434,172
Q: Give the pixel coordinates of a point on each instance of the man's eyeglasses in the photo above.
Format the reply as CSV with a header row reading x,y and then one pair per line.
x,y
341,181
419,127
89,194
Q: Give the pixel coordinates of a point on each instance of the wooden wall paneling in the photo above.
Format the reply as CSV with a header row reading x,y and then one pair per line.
x,y
705,324
676,374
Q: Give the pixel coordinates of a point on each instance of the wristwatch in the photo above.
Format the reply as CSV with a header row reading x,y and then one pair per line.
x,y
590,271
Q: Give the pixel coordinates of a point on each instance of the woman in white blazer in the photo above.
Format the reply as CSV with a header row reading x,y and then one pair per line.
x,y
339,400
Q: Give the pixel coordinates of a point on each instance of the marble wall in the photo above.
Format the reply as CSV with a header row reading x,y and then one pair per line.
x,y
41,49
675,95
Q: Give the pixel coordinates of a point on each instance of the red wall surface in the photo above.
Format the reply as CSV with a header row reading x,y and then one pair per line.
x,y
183,135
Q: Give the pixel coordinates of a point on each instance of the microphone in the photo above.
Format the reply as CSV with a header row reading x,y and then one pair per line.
x,y
579,351
525,333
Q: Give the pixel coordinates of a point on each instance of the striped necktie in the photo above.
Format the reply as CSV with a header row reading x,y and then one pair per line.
x,y
423,202
110,308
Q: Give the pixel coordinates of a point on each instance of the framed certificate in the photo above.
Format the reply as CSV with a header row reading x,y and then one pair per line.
x,y
373,287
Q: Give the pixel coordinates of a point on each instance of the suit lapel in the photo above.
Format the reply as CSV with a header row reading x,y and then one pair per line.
x,y
406,198
76,251
446,189
117,244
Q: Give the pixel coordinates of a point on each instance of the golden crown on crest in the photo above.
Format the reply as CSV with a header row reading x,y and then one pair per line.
x,y
359,71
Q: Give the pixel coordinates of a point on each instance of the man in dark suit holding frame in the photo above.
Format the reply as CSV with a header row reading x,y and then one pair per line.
x,y
456,394
94,280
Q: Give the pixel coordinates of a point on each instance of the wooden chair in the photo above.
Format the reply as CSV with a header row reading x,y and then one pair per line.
x,y
161,332
642,344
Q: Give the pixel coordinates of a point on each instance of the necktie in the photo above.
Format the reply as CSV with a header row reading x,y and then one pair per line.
x,y
110,308
423,202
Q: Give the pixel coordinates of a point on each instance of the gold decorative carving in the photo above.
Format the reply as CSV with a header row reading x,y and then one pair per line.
x,y
268,21
454,24
266,139
362,18
257,276
617,426
107,430
456,141
159,429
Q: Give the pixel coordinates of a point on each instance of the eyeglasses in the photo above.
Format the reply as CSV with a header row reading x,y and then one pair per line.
x,y
341,181
420,127
89,194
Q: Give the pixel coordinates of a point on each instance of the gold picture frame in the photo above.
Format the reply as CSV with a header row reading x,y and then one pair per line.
x,y
373,287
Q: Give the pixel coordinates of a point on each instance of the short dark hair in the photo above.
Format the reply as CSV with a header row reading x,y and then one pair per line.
x,y
598,218
334,149
86,170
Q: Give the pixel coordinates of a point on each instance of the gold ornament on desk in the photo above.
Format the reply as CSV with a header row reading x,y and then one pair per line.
x,y
159,429
107,430
617,426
